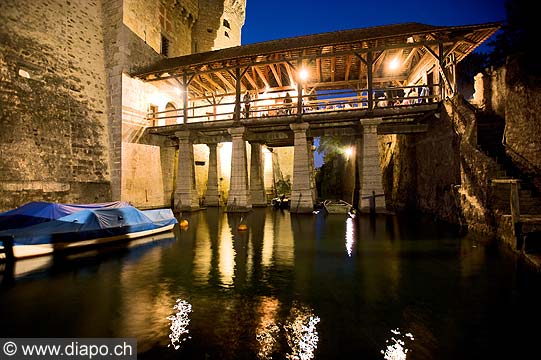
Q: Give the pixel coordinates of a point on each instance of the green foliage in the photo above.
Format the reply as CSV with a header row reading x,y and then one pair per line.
x,y
283,187
330,176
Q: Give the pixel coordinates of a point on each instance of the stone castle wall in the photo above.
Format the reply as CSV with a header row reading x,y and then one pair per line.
x,y
149,20
53,110
523,119
69,135
148,164
514,95
219,24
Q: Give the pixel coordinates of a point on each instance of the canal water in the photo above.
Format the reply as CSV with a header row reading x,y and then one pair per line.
x,y
312,286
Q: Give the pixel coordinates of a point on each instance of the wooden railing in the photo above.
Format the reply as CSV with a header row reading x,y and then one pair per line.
x,y
273,105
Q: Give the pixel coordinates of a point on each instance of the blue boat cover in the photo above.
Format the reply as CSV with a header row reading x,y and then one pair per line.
x,y
40,211
90,224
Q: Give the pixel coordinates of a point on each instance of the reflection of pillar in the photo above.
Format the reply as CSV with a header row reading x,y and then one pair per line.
x,y
257,187
239,193
186,198
301,195
212,197
371,195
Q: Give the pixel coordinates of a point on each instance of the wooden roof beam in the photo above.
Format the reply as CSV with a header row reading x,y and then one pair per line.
x,y
262,76
199,82
318,69
348,67
277,76
251,81
289,73
225,81
213,83
333,64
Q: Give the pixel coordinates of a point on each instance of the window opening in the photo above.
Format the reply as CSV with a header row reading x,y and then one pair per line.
x,y
165,46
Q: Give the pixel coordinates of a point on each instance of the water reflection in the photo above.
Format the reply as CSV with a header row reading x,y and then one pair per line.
x,y
261,293
299,329
268,244
396,348
301,333
350,235
268,331
202,253
179,323
226,263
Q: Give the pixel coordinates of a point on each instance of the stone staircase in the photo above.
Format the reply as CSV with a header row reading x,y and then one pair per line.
x,y
525,215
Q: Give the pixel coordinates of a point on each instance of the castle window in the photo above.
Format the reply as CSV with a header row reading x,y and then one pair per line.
x,y
165,46
226,34
226,24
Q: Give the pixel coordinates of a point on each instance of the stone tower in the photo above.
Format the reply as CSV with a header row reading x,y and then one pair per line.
x,y
219,24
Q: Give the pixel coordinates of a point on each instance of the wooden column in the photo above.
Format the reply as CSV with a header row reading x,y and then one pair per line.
x,y
238,78
185,99
369,80
299,89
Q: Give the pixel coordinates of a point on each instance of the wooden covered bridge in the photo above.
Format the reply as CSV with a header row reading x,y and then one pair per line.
x,y
362,82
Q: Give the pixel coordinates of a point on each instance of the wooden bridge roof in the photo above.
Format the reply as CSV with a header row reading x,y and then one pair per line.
x,y
334,59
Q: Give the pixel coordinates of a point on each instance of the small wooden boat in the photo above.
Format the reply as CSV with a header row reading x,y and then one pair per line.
x,y
337,206
85,226
281,202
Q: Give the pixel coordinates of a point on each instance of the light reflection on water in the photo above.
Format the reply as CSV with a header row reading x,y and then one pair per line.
x,y
301,333
350,235
396,348
179,323
284,289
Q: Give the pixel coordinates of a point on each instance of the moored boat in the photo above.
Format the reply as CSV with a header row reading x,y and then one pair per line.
x,y
337,206
281,202
90,226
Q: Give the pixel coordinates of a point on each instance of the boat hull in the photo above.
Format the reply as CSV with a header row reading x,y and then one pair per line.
x,y
35,250
337,207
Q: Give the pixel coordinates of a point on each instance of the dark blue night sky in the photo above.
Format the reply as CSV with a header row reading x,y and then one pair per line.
x,y
276,19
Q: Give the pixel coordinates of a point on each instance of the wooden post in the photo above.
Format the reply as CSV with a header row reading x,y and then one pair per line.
x,y
299,89
185,99
7,242
237,93
369,79
515,215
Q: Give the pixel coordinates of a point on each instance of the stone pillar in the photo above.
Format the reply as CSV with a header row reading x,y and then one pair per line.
x,y
239,199
371,195
186,198
257,186
212,196
302,193
312,171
